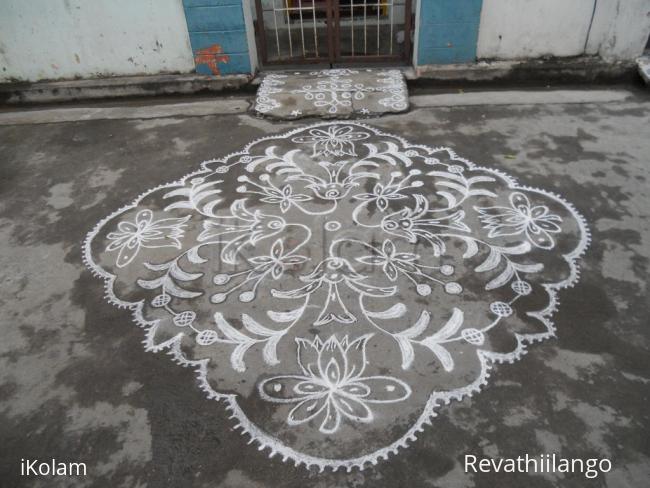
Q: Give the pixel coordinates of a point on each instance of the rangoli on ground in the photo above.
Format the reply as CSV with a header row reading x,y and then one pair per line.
x,y
334,285
332,93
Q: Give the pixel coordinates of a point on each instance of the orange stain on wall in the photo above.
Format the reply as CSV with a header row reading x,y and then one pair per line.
x,y
211,56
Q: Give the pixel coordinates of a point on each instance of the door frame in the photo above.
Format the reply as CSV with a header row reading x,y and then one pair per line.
x,y
334,41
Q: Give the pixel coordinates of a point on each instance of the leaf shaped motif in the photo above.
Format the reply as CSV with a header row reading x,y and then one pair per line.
x,y
504,277
497,253
373,153
417,328
175,290
289,316
237,357
390,156
516,250
158,267
395,151
180,192
496,256
273,337
151,284
166,281
176,272
232,334
462,185
441,353
474,192
448,175
270,351
528,268
455,186
186,204
199,192
449,329
244,342
482,192
269,155
407,351
472,247
480,179
255,327
394,312
234,337
285,164
194,257
451,199
405,337
491,262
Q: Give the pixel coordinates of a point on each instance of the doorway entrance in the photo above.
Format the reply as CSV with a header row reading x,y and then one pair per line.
x,y
333,32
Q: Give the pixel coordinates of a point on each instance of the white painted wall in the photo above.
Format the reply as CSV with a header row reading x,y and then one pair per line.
x,y
620,30
520,29
249,16
59,39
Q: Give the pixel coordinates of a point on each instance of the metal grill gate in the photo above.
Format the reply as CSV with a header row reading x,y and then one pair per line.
x,y
332,31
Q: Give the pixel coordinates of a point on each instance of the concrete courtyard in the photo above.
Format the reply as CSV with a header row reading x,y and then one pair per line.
x,y
77,385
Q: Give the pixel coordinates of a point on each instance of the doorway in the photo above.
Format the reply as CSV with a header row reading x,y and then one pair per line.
x,y
333,32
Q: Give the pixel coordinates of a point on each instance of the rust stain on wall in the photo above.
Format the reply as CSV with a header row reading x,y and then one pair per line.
x,y
211,56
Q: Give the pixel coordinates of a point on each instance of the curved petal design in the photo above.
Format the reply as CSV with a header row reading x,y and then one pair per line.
x,y
356,280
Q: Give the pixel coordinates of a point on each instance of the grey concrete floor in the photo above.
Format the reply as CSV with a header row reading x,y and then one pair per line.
x,y
76,384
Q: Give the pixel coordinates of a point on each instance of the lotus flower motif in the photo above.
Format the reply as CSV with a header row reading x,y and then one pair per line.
x,y
144,232
331,384
521,217
333,140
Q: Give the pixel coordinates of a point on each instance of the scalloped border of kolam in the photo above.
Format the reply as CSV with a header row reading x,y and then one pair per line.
x,y
437,399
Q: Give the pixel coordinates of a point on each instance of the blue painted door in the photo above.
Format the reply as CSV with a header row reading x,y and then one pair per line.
x,y
218,36
448,31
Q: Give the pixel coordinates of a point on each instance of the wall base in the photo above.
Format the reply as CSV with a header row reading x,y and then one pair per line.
x,y
118,87
529,72
558,70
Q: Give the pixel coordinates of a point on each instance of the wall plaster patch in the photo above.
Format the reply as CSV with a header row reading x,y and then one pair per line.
x,y
334,285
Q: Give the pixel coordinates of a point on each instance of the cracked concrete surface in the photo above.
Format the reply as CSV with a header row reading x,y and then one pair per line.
x,y
76,384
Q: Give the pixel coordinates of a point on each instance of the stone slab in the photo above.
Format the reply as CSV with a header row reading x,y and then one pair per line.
x,y
335,93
